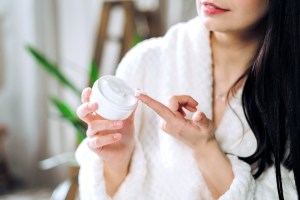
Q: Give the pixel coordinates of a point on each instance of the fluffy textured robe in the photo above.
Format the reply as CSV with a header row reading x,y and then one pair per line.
x,y
162,167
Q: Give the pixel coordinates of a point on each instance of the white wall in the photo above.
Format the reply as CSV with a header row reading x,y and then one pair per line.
x,y
24,96
179,11
18,98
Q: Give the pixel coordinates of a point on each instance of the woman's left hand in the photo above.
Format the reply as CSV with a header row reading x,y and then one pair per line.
x,y
196,133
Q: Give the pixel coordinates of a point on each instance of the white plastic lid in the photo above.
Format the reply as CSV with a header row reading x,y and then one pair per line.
x,y
117,91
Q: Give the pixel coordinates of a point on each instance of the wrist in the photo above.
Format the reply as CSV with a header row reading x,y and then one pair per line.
x,y
121,163
206,150
115,169
215,167
114,177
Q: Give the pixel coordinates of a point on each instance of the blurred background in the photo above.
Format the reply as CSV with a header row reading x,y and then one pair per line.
x,y
49,51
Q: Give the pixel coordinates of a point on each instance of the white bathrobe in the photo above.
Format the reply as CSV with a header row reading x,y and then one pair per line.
x,y
162,167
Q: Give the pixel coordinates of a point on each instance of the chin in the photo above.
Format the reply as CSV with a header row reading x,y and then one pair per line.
x,y
214,24
211,25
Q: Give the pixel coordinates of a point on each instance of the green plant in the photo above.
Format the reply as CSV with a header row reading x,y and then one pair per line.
x,y
65,110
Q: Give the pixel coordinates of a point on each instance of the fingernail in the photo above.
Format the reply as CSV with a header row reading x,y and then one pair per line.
x,y
117,136
92,105
201,117
85,92
118,123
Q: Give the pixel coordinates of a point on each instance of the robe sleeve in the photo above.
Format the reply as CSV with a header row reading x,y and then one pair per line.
x,y
92,182
245,187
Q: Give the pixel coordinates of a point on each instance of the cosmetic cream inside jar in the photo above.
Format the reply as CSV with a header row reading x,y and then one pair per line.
x,y
115,98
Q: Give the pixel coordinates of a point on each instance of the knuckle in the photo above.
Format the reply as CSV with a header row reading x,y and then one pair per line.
x,y
109,126
82,110
105,125
91,144
89,132
100,125
191,99
171,99
92,125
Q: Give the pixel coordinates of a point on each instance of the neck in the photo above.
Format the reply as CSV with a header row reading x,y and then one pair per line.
x,y
232,55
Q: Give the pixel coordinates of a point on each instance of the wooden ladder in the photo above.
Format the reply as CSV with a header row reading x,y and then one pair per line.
x,y
129,29
129,32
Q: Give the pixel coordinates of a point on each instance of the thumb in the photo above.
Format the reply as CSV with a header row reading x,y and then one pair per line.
x,y
200,118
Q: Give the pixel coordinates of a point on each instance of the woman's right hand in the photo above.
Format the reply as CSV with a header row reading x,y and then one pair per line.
x,y
112,140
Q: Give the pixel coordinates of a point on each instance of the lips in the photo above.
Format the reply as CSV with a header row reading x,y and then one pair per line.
x,y
211,8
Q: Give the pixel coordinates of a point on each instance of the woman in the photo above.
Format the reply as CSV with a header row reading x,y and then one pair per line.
x,y
234,132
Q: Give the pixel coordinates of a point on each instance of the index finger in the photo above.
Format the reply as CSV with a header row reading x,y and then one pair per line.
x,y
162,110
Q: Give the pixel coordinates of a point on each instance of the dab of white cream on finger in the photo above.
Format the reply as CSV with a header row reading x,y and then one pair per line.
x,y
138,92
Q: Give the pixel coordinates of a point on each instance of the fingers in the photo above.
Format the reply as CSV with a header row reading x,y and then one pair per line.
x,y
176,102
98,142
200,119
103,125
85,111
162,110
85,95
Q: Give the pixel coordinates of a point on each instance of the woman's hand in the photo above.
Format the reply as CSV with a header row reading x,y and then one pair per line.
x,y
113,141
196,133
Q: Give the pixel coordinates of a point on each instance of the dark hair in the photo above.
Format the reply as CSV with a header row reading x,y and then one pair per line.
x,y
271,95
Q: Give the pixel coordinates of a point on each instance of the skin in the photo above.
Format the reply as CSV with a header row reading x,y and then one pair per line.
x,y
198,134
233,46
241,18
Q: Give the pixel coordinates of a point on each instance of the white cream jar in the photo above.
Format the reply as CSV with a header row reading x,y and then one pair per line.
x,y
115,98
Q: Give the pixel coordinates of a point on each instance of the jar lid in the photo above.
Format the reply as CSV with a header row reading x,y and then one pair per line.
x,y
117,91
